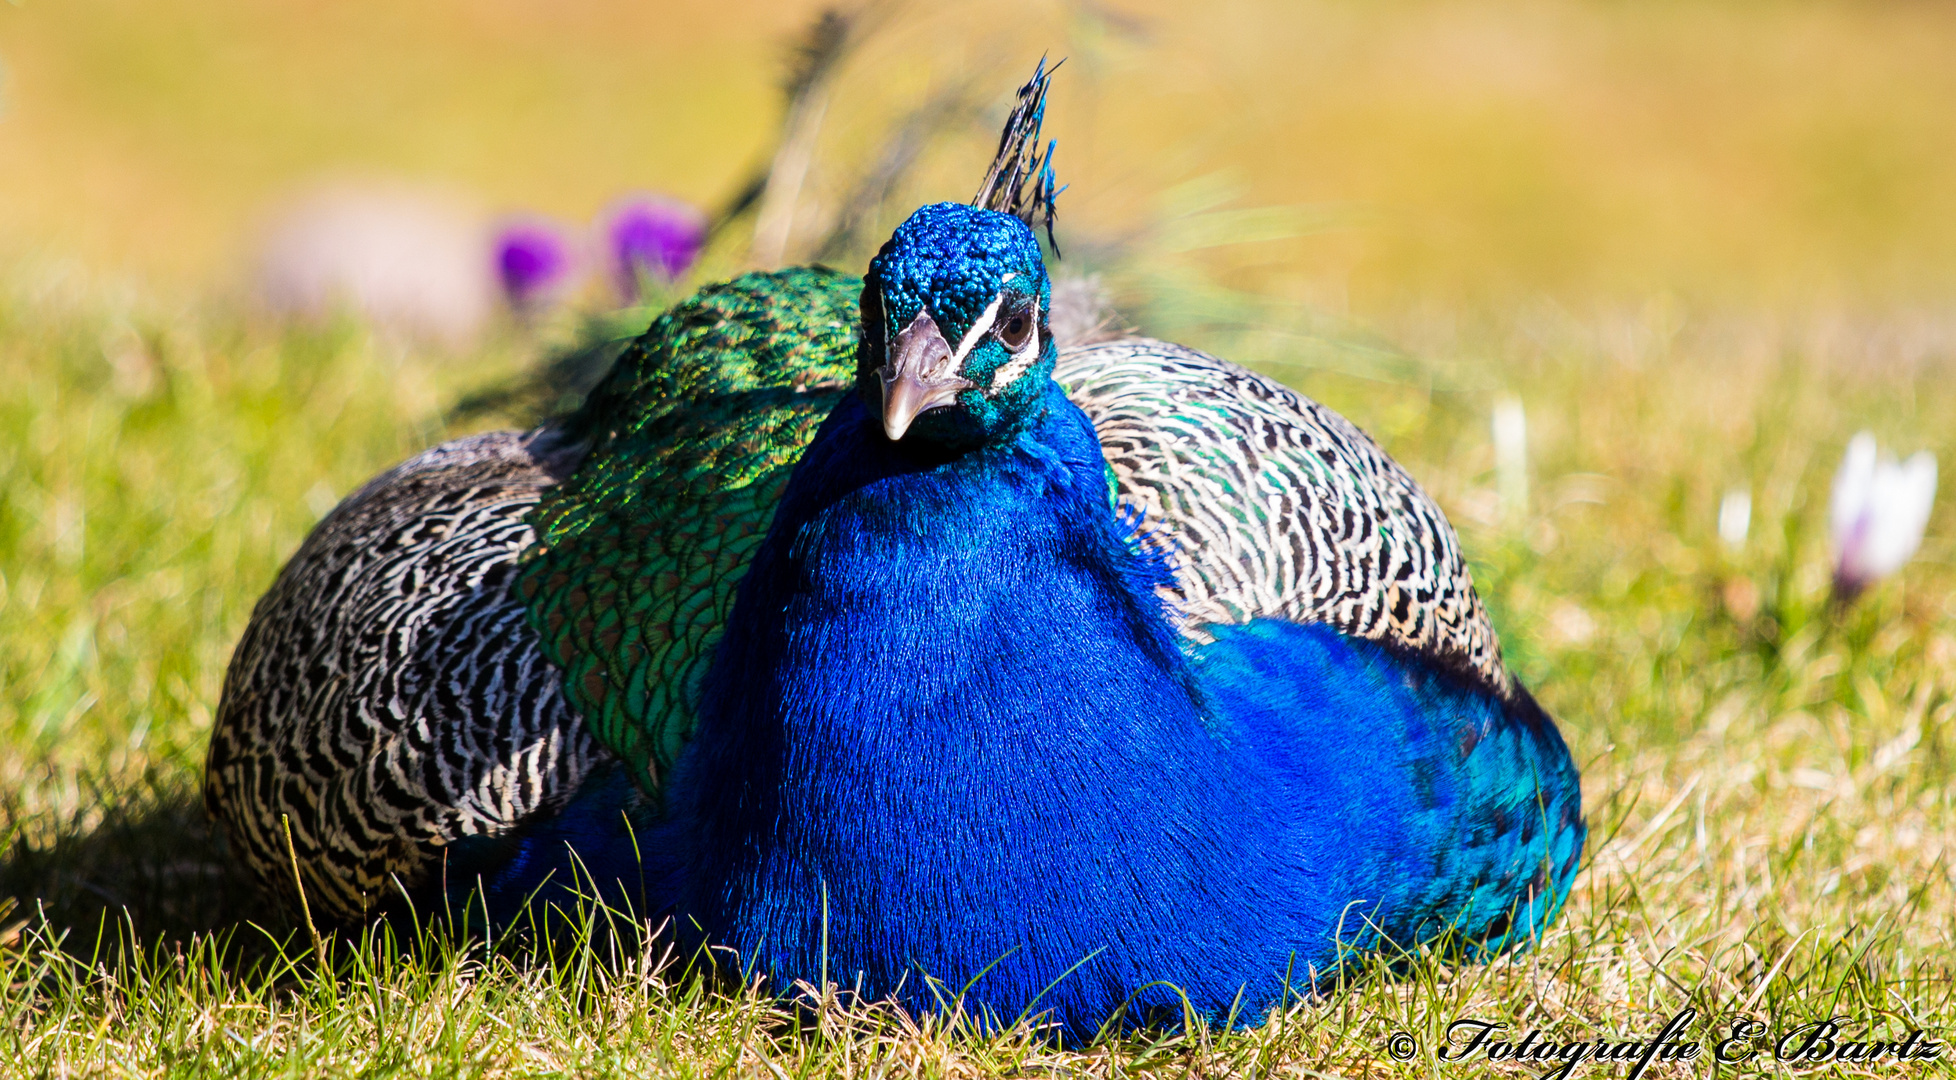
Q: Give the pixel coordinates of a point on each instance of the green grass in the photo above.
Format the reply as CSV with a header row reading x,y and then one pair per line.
x,y
1768,782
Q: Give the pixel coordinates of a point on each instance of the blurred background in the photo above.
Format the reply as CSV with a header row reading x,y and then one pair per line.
x,y
1455,153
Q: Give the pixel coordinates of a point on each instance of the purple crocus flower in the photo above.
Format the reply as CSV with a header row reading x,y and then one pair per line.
x,y
651,236
533,263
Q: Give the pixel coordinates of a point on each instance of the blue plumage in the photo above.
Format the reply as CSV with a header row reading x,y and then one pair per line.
x,y
949,704
1109,680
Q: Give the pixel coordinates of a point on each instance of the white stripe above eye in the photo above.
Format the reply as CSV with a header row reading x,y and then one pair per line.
x,y
978,329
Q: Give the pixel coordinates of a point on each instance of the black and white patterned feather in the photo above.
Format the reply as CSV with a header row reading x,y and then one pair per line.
x,y
388,698
1273,505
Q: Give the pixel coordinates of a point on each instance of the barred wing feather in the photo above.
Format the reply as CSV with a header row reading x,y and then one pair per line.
x,y
1274,506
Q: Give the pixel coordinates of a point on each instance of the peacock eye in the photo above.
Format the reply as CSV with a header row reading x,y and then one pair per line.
x,y
1014,329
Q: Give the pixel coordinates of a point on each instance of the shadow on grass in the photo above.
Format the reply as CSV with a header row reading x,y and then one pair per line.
x,y
133,865
136,874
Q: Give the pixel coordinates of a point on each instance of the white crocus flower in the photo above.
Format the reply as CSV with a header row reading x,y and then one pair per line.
x,y
1877,513
1510,425
1735,517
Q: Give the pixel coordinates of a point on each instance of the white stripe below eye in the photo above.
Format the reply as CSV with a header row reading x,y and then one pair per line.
x,y
978,329
1022,361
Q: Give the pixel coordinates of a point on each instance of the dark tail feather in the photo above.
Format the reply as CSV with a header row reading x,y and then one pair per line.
x,y
1020,181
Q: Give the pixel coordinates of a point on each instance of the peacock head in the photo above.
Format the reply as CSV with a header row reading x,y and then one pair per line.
x,y
956,350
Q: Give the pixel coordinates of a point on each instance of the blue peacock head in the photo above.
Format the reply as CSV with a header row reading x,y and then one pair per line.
x,y
956,346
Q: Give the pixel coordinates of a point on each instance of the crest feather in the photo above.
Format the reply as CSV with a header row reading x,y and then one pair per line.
x,y
1020,181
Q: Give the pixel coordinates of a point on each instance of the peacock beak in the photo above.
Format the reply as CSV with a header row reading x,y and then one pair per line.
x,y
919,374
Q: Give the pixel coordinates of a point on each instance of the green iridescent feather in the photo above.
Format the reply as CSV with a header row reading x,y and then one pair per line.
x,y
694,433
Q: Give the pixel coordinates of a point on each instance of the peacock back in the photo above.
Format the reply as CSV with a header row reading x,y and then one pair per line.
x,y
459,644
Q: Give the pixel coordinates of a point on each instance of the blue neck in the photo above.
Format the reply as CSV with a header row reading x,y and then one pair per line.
x,y
1031,761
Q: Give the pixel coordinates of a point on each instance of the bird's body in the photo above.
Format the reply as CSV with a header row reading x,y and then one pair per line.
x,y
1059,728
855,627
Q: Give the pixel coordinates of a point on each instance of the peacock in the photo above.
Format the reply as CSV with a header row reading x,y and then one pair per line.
x,y
860,629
